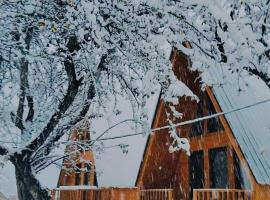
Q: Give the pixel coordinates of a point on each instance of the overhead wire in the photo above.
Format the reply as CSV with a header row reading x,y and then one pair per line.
x,y
180,123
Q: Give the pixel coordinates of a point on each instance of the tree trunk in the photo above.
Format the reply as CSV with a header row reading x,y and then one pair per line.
x,y
28,186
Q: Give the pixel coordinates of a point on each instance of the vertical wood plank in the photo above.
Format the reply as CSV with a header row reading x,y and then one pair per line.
x,y
195,195
206,169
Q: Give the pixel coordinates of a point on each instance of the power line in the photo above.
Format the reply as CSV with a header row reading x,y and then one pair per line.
x,y
193,120
210,116
181,123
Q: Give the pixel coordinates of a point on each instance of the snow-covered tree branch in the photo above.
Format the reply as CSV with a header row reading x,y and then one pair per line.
x,y
62,61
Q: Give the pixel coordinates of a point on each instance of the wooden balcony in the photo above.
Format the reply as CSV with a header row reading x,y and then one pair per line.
x,y
156,194
77,193
221,194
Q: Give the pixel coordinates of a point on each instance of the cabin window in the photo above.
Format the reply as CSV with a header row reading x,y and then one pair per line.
x,y
196,171
218,168
87,174
241,179
198,127
78,174
213,124
95,178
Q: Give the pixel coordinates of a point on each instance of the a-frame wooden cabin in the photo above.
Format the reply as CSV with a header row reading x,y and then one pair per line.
x,y
78,179
78,166
225,162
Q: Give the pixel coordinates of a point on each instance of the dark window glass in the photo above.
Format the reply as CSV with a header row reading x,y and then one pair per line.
x,y
78,174
197,127
237,172
213,124
196,171
87,174
218,168
241,180
95,178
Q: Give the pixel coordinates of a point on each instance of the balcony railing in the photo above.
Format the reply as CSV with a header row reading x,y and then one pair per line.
x,y
84,193
78,193
221,194
156,194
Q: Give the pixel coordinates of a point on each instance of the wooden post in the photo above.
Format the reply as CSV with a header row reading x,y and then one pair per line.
x,y
231,176
206,169
195,195
170,195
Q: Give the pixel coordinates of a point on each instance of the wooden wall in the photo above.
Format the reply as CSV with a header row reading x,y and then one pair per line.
x,y
260,192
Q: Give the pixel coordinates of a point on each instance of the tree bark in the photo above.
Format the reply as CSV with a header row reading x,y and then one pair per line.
x,y
28,186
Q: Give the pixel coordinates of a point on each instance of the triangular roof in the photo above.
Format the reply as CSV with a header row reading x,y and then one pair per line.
x,y
250,126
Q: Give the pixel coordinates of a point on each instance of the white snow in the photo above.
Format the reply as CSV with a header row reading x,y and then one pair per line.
x,y
178,89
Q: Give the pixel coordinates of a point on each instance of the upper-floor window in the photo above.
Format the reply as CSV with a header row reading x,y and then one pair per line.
x,y
87,174
241,178
198,127
205,108
213,124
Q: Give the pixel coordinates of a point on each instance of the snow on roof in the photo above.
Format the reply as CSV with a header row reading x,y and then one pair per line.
x,y
251,126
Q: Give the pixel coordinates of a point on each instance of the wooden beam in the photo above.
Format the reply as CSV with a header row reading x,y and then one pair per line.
x,y
208,141
206,168
231,175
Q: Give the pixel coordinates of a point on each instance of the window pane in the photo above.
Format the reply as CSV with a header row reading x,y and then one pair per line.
x,y
78,174
218,168
87,174
196,171
197,128
213,124
241,179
